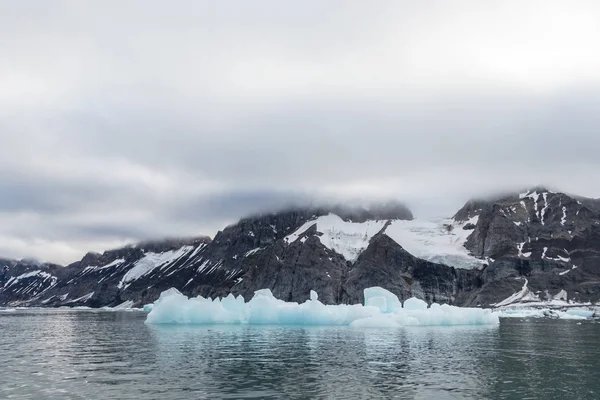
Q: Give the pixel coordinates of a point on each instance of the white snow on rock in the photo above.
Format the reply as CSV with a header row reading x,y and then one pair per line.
x,y
543,212
520,249
569,270
441,241
253,251
562,295
535,196
526,304
150,262
82,298
174,308
125,305
522,296
349,239
37,273
114,263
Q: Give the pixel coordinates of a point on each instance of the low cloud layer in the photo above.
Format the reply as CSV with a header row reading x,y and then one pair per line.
x,y
134,120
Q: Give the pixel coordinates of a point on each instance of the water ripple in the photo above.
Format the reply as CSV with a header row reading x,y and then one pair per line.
x,y
62,354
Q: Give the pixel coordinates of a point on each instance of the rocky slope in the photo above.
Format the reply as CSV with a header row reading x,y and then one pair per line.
x,y
534,246
539,242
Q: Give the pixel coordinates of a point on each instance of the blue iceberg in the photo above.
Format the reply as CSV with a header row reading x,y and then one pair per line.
x,y
382,309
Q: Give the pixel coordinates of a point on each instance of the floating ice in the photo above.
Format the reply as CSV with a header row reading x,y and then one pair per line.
x,y
581,313
386,301
382,309
545,313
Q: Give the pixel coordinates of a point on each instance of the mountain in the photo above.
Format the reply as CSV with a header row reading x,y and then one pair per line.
x,y
532,246
540,242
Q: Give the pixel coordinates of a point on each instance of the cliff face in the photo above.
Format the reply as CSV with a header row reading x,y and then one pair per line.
x,y
538,244
551,239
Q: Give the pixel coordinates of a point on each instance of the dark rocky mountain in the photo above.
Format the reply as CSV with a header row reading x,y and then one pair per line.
x,y
531,246
20,281
551,239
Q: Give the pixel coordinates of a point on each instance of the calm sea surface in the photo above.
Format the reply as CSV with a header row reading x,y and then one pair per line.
x,y
63,354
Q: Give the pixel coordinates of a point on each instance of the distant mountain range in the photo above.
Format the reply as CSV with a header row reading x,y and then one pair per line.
x,y
537,245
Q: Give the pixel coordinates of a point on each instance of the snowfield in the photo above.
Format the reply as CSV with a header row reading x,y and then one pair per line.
x,y
349,239
440,240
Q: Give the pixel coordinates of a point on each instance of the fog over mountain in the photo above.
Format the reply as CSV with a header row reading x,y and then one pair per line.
x,y
177,119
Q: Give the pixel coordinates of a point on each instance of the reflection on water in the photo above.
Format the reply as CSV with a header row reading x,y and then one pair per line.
x,y
80,355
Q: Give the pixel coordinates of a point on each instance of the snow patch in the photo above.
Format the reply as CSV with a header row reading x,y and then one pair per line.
x,y
253,251
543,212
82,299
349,239
150,262
567,271
37,273
124,305
523,295
564,216
562,295
440,241
520,249
113,264
535,197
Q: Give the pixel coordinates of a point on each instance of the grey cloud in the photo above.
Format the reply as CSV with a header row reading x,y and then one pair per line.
x,y
175,119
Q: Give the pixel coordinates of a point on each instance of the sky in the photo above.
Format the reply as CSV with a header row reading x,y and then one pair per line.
x,y
128,120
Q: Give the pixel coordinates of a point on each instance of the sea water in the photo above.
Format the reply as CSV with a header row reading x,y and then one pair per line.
x,y
88,354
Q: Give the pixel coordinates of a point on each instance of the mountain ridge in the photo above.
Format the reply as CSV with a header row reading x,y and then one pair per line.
x,y
481,256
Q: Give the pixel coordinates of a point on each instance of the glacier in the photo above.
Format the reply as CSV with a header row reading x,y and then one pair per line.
x,y
349,239
436,240
382,309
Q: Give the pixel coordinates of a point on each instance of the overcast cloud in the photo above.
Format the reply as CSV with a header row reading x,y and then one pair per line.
x,y
127,120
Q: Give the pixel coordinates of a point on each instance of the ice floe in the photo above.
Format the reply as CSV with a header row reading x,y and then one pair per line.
x,y
530,312
381,309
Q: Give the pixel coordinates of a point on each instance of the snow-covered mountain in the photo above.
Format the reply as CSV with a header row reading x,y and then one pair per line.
x,y
26,279
544,240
